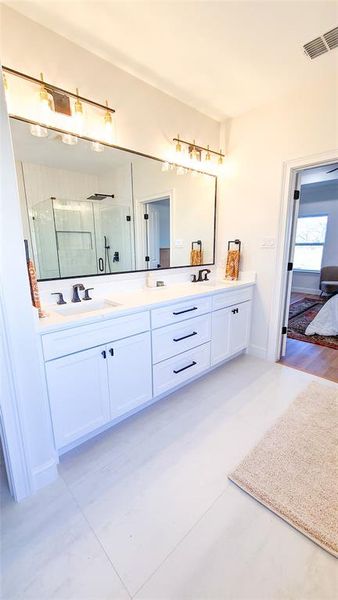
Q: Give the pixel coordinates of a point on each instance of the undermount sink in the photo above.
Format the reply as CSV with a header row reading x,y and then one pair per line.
x,y
78,308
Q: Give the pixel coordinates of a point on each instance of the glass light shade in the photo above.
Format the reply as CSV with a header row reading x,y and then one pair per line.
x,y
165,166
108,126
96,147
38,131
70,140
78,116
180,171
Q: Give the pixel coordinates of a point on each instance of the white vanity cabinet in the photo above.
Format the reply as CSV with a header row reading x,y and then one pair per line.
x,y
230,331
78,394
98,373
129,373
89,388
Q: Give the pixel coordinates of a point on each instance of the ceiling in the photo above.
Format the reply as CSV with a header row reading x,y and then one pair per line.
x,y
320,174
223,58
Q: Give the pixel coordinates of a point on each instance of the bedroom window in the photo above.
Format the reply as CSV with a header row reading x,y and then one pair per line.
x,y
310,240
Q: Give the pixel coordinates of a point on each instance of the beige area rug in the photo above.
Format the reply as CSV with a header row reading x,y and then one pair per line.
x,y
293,470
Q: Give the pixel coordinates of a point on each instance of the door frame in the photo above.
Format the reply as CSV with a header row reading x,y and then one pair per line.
x,y
140,224
291,169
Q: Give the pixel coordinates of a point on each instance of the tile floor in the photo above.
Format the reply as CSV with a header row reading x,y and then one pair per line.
x,y
146,510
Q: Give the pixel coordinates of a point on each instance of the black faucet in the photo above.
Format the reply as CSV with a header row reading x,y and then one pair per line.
x,y
76,288
200,275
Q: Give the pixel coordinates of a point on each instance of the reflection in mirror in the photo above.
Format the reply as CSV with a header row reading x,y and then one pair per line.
x,y
90,209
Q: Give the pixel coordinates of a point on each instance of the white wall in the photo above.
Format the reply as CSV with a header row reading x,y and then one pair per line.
x,y
259,143
319,199
146,119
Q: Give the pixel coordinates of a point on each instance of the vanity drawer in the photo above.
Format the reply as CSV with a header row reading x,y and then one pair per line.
x,y
175,339
232,297
180,311
175,371
67,341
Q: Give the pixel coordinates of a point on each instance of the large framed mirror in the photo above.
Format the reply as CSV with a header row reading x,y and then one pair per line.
x,y
93,209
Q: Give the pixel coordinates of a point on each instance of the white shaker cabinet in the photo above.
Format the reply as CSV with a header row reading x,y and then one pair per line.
x,y
129,373
78,394
230,331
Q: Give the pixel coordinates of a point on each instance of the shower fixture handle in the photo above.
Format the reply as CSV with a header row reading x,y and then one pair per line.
x,y
86,294
76,288
60,299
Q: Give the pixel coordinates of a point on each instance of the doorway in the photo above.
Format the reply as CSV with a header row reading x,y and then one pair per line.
x,y
154,232
309,339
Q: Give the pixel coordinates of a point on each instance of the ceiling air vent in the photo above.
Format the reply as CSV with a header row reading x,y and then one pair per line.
x,y
331,38
315,48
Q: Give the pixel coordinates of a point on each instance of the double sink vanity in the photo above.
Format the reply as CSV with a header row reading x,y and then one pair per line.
x,y
107,358
98,214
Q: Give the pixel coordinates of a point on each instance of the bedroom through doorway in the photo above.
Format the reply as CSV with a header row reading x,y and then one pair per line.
x,y
310,333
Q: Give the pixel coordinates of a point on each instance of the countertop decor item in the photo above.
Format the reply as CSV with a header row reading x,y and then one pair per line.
x,y
293,469
233,258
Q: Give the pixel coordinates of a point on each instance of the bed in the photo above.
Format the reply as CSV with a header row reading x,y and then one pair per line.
x,y
326,321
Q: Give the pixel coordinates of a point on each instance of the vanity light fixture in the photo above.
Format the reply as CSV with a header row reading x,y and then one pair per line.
x,y
200,156
59,109
96,147
178,148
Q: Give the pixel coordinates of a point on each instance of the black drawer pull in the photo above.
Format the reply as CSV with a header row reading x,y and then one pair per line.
x,y
111,351
184,311
185,337
184,368
104,354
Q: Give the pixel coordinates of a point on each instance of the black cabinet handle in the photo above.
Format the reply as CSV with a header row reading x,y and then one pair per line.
x,y
104,354
185,337
111,351
185,311
234,311
184,368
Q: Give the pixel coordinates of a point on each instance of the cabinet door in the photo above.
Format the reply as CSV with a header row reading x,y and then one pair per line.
x,y
78,394
239,327
220,335
129,373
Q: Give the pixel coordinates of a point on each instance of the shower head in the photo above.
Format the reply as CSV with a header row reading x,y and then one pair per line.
x,y
100,196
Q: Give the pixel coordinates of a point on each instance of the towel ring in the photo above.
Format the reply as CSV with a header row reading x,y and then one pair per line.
x,y
198,242
237,242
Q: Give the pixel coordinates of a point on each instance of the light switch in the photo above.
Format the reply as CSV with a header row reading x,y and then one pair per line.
x,y
178,243
268,243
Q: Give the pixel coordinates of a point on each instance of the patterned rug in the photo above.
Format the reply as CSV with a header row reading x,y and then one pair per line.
x,y
301,314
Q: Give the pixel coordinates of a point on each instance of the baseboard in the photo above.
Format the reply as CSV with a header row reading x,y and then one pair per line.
x,y
301,290
258,351
45,474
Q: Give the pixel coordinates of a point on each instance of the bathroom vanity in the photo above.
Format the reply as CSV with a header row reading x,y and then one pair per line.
x,y
107,363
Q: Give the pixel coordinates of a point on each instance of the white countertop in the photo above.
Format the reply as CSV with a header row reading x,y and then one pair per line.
x,y
135,301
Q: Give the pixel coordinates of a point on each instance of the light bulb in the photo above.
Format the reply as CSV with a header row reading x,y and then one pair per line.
x,y
96,147
108,125
70,140
208,156
44,104
181,171
220,159
165,166
178,148
78,114
38,131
